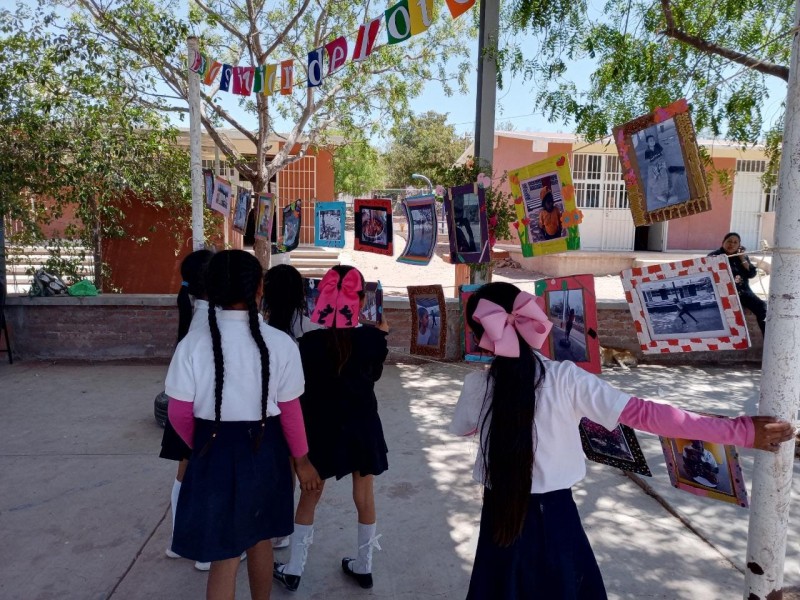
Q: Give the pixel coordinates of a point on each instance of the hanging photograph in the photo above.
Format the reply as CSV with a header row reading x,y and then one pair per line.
x,y
242,209
467,226
329,230
469,341
428,320
221,202
373,225
661,165
208,185
422,230
705,469
544,200
292,219
311,291
570,304
686,306
617,448
264,216
372,311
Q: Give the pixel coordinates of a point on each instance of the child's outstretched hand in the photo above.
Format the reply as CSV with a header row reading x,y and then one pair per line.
x,y
771,432
307,474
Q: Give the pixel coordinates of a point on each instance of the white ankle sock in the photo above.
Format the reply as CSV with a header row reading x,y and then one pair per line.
x,y
367,541
302,538
176,491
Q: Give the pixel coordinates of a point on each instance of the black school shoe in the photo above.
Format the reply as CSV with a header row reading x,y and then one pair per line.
x,y
290,582
362,579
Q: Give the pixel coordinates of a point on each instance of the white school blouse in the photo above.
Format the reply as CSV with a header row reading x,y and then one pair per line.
x,y
567,394
190,377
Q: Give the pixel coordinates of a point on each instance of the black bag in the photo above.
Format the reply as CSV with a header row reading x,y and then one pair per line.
x,y
47,284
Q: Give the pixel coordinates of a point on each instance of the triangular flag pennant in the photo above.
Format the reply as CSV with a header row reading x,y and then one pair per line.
x,y
398,22
258,80
421,12
270,72
287,76
315,67
367,34
337,54
196,61
459,7
243,80
225,80
212,70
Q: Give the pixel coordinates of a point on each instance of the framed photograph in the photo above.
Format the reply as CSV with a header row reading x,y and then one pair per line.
x,y
467,225
544,200
661,165
329,230
705,469
428,320
618,448
221,202
311,290
422,230
242,209
266,209
208,185
472,352
372,313
686,306
292,219
570,304
373,225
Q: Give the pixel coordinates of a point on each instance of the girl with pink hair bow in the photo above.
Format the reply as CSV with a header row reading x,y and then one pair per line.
x,y
527,409
340,409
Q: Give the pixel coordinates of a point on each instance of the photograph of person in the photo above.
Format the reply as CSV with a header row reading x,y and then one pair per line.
x,y
264,217
466,218
242,209
330,225
208,181
291,225
566,311
683,307
423,235
428,321
311,290
372,309
661,165
544,206
373,226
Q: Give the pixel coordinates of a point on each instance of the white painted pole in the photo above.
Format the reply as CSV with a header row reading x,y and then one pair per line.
x,y
780,379
195,148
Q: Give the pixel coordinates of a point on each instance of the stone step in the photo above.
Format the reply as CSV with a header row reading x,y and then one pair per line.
x,y
309,263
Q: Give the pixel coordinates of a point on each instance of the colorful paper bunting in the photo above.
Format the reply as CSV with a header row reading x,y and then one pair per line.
x,y
421,12
337,54
212,70
398,22
315,67
287,77
258,80
459,7
367,34
270,71
243,80
225,80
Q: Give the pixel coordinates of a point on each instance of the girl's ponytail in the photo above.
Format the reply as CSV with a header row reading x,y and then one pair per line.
x,y
193,272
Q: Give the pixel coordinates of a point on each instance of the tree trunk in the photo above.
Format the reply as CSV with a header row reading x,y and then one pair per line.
x,y
3,254
97,253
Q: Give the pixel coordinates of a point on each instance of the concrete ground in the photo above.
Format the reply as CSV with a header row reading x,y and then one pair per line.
x,y
84,498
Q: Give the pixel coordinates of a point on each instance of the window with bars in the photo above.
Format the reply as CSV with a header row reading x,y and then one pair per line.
x,y
751,166
598,181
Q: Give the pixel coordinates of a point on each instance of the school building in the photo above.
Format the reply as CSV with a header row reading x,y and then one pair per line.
x,y
600,194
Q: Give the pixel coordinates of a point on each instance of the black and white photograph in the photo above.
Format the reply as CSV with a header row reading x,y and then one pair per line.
x,y
567,312
330,226
661,165
617,448
311,289
221,202
466,218
208,182
544,206
683,307
242,209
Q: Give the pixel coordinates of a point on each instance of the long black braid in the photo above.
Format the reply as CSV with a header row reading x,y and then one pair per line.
x,y
233,278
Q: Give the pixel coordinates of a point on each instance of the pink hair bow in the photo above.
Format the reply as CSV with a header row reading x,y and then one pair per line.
x,y
338,302
501,328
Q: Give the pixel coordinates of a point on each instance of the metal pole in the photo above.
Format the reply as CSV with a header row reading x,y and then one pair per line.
x,y
195,133
780,379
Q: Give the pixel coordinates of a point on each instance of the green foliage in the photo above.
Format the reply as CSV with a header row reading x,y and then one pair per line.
x,y
358,168
423,144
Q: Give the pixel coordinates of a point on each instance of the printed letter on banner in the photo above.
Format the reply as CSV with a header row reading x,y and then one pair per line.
x,y
315,67
398,22
366,39
270,71
337,53
459,7
225,80
421,15
287,77
211,72
197,62
242,80
258,80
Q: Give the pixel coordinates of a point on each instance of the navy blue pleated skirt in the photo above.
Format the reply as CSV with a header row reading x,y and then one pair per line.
x,y
551,560
234,496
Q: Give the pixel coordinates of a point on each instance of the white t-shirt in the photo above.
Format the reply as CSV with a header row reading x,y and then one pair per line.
x,y
424,339
191,373
301,325
200,314
567,394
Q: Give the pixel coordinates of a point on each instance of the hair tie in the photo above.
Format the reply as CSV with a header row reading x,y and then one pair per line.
x,y
500,328
184,284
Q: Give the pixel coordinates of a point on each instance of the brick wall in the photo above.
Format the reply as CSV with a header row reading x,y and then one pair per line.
x,y
143,327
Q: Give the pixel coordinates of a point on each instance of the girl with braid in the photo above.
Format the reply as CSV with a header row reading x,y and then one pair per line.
x,y
284,301
345,434
234,389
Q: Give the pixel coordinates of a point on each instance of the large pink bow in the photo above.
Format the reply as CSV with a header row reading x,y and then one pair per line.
x,y
501,328
338,302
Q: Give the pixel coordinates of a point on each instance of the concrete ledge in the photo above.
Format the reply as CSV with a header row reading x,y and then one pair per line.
x,y
100,300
